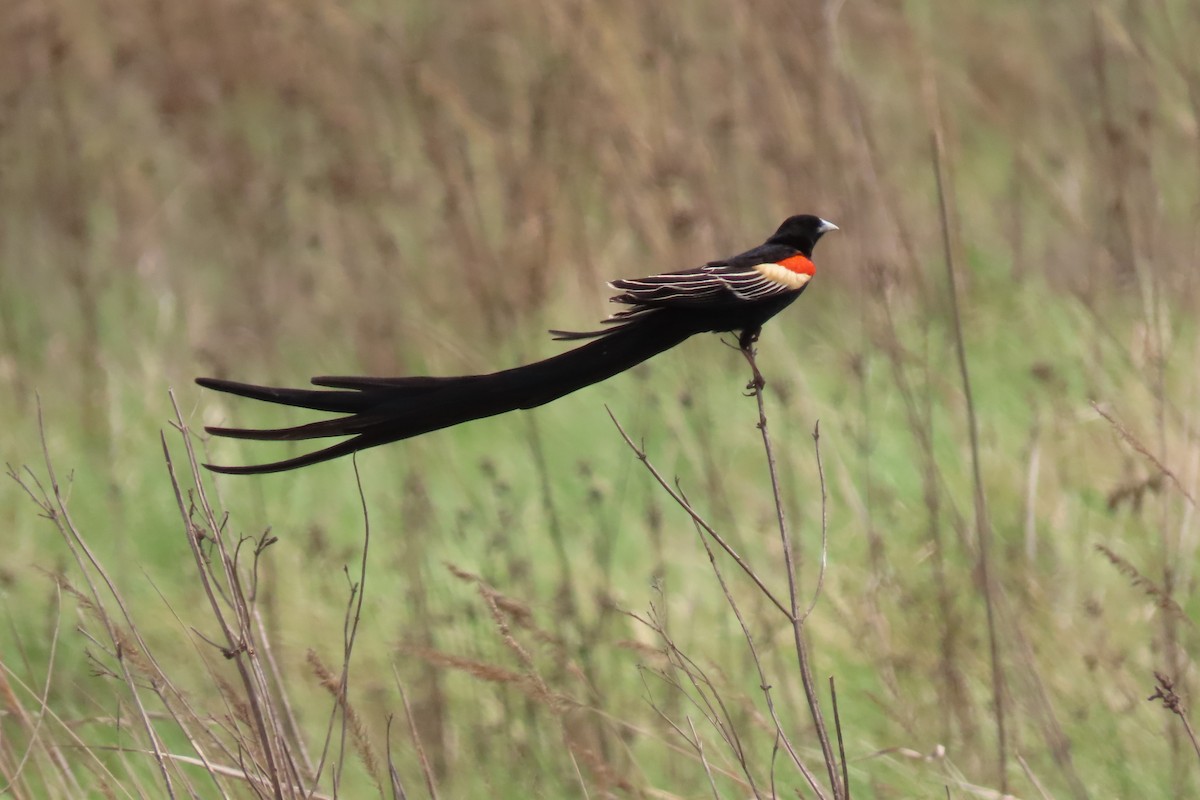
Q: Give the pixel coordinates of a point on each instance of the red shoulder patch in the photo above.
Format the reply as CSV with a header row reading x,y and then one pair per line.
x,y
799,264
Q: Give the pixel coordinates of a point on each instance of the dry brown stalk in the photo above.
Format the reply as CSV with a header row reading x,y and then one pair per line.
x,y
695,515
801,645
983,525
699,682
516,610
781,737
1161,598
1137,445
231,609
493,673
426,771
1164,690
52,502
358,729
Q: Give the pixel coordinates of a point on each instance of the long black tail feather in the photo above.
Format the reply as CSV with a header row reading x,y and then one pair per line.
x,y
383,410
342,402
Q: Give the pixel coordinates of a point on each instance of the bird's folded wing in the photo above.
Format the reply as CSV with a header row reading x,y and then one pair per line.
x,y
708,284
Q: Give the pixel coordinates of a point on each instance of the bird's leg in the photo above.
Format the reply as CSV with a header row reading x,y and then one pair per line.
x,y
746,343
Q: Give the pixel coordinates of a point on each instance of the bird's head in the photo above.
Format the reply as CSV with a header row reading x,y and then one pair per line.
x,y
802,232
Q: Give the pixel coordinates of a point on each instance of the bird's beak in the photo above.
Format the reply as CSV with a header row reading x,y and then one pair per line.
x,y
827,226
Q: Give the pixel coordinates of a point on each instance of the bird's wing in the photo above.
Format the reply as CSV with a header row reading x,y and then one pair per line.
x,y
764,272
719,281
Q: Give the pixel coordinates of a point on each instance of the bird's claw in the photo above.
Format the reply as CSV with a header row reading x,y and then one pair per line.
x,y
746,342
748,338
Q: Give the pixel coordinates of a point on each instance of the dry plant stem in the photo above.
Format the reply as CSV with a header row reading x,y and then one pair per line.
x,y
289,715
1164,690
430,783
191,712
1136,444
578,774
238,642
239,648
919,411
806,678
54,506
837,724
14,773
97,765
780,736
23,720
816,435
254,781
706,700
397,785
695,515
676,749
670,723
792,615
700,750
164,688
1041,699
1032,778
982,524
567,584
350,628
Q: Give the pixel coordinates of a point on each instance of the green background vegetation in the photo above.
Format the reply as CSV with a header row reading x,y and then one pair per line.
x,y
266,190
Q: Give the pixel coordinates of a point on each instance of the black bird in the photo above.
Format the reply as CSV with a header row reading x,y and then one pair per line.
x,y
735,294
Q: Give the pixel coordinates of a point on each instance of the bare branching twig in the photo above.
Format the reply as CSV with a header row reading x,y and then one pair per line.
x,y
710,702
789,561
699,520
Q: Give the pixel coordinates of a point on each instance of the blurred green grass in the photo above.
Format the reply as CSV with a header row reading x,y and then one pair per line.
x,y
270,191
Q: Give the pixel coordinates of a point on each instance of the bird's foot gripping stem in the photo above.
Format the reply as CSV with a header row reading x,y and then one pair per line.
x,y
746,342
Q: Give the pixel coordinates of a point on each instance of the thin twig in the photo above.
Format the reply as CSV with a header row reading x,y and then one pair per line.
x,y
430,783
239,638
709,703
816,435
675,749
695,515
837,726
54,504
255,782
700,750
1033,779
349,631
350,628
566,587
289,714
14,773
171,696
983,529
398,792
780,736
578,774
97,766
806,678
